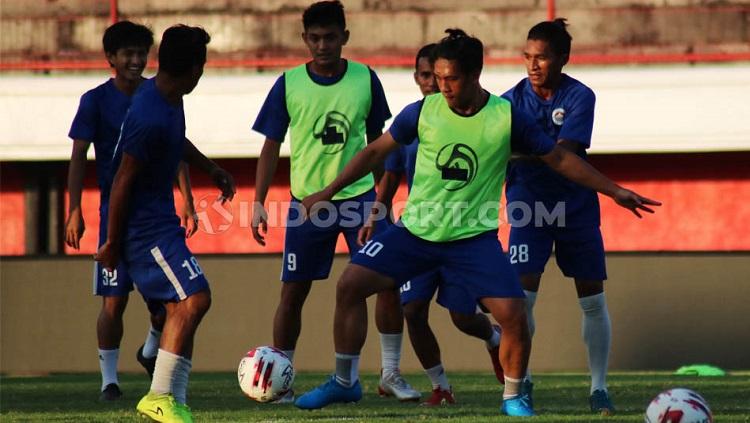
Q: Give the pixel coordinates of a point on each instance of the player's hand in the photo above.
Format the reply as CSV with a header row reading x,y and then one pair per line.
x,y
634,202
74,229
108,255
189,218
366,231
311,204
259,223
224,181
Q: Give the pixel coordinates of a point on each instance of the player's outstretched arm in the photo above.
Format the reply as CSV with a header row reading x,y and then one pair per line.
x,y
119,199
360,165
220,177
578,170
75,226
269,158
386,190
188,216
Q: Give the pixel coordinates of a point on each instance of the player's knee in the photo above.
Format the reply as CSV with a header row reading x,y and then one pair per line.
x,y
464,322
511,315
416,313
114,307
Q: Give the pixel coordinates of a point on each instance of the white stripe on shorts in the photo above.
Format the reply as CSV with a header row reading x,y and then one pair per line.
x,y
96,275
156,252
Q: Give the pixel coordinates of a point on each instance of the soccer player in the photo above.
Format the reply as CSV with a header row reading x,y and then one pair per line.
x,y
417,293
98,121
451,217
332,108
564,107
143,230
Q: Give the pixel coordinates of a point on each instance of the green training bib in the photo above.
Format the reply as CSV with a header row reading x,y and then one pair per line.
x,y
460,170
327,128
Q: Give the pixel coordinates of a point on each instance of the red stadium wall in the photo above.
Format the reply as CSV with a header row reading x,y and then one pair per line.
x,y
12,211
702,194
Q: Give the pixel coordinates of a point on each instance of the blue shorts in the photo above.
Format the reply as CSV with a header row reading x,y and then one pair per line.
x,y
477,264
309,246
166,270
579,251
452,296
117,283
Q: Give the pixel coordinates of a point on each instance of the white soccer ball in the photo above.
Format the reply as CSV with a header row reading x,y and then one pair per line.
x,y
678,405
265,374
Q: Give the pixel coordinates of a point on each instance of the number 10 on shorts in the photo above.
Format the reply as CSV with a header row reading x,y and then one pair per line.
x,y
519,253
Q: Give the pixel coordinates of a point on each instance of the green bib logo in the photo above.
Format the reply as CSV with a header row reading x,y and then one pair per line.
x,y
332,129
458,165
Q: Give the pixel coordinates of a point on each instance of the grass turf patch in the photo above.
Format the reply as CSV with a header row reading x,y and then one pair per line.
x,y
216,397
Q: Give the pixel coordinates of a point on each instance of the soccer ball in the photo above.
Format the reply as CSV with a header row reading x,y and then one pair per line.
x,y
678,405
265,374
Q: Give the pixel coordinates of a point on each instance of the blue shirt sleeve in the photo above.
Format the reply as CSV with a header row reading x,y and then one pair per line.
x,y
526,136
404,126
84,123
579,121
273,118
395,161
138,135
379,111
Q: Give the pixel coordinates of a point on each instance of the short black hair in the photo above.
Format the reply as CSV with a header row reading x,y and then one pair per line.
x,y
126,34
324,13
425,51
181,48
554,33
468,51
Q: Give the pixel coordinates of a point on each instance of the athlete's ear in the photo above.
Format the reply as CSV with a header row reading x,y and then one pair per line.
x,y
564,60
346,37
110,58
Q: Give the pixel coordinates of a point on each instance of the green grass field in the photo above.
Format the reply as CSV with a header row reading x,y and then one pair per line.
x,y
216,397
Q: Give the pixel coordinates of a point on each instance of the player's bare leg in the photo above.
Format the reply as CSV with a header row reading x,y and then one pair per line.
x,y
515,348
174,360
422,337
287,322
182,322
389,320
597,335
109,329
427,349
349,333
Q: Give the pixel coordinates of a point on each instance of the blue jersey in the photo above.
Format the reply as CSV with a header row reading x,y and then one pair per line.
x,y
273,118
403,160
154,134
98,121
568,115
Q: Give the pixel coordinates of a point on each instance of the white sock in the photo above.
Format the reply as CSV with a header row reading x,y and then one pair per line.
x,y
347,369
512,387
597,335
108,365
164,372
390,352
438,377
494,339
180,381
530,301
290,354
151,346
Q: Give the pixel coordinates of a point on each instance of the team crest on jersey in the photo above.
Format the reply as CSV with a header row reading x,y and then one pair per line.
x,y
332,129
558,116
458,165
